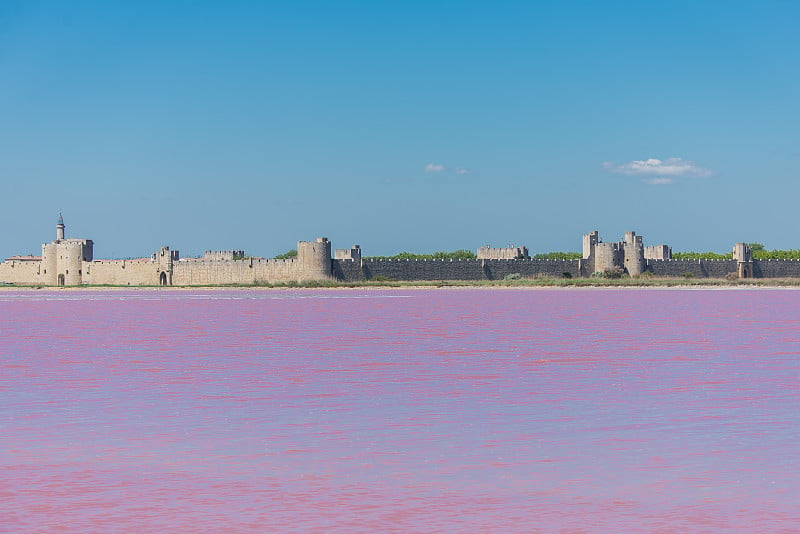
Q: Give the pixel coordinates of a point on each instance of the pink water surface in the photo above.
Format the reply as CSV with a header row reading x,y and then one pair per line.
x,y
400,411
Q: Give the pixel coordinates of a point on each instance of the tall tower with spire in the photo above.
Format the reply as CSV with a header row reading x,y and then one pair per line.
x,y
60,228
63,259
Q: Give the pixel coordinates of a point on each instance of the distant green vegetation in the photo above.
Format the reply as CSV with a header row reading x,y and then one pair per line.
x,y
701,256
455,255
612,273
791,254
759,253
558,256
287,255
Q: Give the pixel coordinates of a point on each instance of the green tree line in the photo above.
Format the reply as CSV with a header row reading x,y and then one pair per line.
x,y
287,255
440,255
759,251
558,256
701,256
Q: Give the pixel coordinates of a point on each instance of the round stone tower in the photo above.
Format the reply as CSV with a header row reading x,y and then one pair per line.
x,y
633,251
49,266
314,260
634,258
70,262
606,256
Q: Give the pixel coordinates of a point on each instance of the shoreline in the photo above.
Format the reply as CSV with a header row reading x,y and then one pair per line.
x,y
530,284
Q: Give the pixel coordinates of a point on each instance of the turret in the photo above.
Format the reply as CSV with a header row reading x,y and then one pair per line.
x,y
589,241
166,259
60,228
634,254
607,256
743,255
314,259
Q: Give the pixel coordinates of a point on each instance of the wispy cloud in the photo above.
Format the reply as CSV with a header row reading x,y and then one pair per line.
x,y
436,167
661,180
658,172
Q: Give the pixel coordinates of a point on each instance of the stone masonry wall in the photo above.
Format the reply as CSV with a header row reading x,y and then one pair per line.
x,y
776,268
697,268
21,272
347,270
249,271
410,270
121,272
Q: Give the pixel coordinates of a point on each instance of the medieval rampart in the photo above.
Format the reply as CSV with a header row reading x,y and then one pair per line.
x,y
231,272
466,269
20,272
697,268
70,262
121,272
776,268
722,268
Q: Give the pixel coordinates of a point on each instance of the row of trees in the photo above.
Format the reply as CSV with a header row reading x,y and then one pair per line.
x,y
759,253
701,256
558,256
440,255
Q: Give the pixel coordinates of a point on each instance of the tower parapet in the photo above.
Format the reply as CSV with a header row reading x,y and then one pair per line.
x,y
352,253
658,252
223,255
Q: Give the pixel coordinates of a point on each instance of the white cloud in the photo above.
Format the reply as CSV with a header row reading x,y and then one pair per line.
x,y
434,167
675,167
661,180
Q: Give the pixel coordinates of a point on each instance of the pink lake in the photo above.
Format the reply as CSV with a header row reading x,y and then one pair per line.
x,y
400,411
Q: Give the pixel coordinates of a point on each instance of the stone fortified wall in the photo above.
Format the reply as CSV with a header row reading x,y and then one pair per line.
x,y
70,262
432,270
21,272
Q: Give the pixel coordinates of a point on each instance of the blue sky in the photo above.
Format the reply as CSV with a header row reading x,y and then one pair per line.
x,y
419,126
